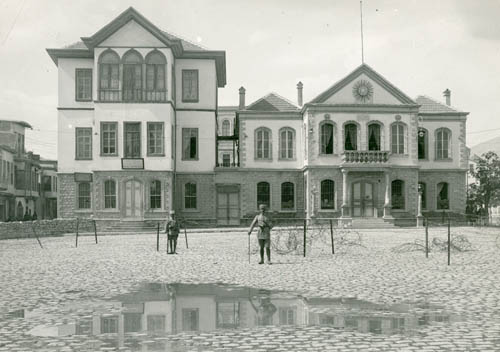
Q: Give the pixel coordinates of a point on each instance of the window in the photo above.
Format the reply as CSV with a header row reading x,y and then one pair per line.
x,y
132,322
397,138
443,138
83,84
264,194
263,143
374,136
83,143
287,143
422,143
228,315
109,194
155,138
155,77
190,319
398,194
287,196
108,138
189,144
226,126
226,160
47,183
109,76
423,189
132,139
190,86
155,195
443,201
287,316
375,326
327,194
132,76
156,323
190,196
351,137
109,325
326,130
84,195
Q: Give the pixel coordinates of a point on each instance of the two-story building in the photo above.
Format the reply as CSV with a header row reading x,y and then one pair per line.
x,y
137,122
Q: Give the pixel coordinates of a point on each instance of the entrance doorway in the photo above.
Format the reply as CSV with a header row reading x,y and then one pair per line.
x,y
133,200
228,205
362,199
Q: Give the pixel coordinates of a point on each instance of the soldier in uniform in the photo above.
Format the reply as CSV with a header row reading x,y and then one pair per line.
x,y
264,233
172,231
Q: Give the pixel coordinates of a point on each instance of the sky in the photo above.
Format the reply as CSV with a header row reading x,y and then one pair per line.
x,y
422,47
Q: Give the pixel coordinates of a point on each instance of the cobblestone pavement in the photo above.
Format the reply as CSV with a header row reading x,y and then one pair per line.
x,y
45,282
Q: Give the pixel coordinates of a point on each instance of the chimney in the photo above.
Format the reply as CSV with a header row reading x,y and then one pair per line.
x,y
447,95
242,99
299,93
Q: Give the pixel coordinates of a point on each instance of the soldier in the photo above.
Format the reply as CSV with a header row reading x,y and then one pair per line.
x,y
264,233
172,231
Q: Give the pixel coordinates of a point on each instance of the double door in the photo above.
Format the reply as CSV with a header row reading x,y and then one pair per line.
x,y
362,199
133,209
228,206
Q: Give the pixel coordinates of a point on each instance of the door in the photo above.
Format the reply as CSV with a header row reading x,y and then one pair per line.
x,y
228,206
362,199
133,200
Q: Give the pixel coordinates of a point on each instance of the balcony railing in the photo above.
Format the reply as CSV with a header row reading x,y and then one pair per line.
x,y
365,156
133,95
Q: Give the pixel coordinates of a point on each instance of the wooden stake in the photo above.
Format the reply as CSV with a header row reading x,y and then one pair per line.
x,y
426,237
158,238
449,241
37,238
77,223
305,231
95,231
331,235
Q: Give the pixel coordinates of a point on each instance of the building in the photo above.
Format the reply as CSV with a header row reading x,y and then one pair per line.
x,y
48,189
141,142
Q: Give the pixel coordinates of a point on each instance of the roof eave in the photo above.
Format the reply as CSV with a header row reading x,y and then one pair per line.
x,y
220,62
56,54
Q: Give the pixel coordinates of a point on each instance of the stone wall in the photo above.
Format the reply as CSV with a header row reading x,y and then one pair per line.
x,y
43,228
456,192
205,196
66,200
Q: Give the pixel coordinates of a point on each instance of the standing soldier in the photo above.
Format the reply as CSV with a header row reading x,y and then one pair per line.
x,y
172,231
264,233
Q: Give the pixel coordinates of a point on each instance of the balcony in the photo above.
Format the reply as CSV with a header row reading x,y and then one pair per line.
x,y
132,95
365,156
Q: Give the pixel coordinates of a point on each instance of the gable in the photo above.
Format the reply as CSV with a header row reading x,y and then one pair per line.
x,y
262,105
132,34
363,86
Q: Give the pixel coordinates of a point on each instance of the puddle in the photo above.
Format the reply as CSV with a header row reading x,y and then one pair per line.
x,y
160,316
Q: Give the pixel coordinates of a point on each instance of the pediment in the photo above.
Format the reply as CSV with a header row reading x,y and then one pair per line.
x,y
132,34
363,86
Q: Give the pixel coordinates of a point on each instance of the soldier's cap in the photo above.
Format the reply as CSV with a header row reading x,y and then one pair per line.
x,y
172,212
263,206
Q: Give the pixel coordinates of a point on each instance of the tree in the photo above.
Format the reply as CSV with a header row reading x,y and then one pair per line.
x,y
486,191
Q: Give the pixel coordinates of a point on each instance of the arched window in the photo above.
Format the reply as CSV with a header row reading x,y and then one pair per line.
x,y
132,76
374,136
190,196
84,195
226,126
109,194
398,138
156,86
263,143
443,139
263,194
109,76
423,190
398,194
287,143
326,131
442,191
422,139
287,196
19,211
155,195
327,194
350,137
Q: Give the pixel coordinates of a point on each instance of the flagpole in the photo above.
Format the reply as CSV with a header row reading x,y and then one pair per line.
x,y
362,45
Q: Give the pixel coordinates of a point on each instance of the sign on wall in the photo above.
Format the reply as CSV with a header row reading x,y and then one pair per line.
x,y
132,163
83,177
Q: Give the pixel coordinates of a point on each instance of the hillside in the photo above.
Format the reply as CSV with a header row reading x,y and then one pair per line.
x,y
492,144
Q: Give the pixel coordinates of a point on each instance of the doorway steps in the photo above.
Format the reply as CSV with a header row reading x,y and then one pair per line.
x,y
116,226
371,223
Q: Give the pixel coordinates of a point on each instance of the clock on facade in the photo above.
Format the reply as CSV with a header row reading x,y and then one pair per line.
x,y
362,91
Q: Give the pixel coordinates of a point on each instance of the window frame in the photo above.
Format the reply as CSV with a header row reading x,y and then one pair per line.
x,y
81,70
344,131
156,195
287,130
403,194
334,205
184,98
380,132
268,204
129,123
112,196
186,130
77,149
110,123
228,132
403,134
293,196
190,196
426,143
322,151
438,199
256,144
79,196
436,151
162,142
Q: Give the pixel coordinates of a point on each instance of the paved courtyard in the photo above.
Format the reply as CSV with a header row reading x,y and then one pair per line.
x,y
43,291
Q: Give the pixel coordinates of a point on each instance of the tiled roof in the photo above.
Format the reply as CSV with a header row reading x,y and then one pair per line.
x,y
185,44
431,106
77,45
272,102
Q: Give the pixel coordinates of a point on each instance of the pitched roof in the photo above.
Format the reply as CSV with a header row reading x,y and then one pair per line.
x,y
431,106
19,122
273,102
375,76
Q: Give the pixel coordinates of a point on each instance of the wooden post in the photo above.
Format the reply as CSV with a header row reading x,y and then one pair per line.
x,y
95,231
331,235
158,237
426,238
186,235
77,223
449,241
305,231
37,238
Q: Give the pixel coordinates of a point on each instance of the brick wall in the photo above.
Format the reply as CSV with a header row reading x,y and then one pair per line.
x,y
314,178
205,191
43,228
456,192
66,196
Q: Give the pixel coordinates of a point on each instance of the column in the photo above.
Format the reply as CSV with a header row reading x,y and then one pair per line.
x,y
387,203
345,202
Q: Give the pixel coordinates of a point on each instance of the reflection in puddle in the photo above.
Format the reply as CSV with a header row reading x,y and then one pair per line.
x,y
157,315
